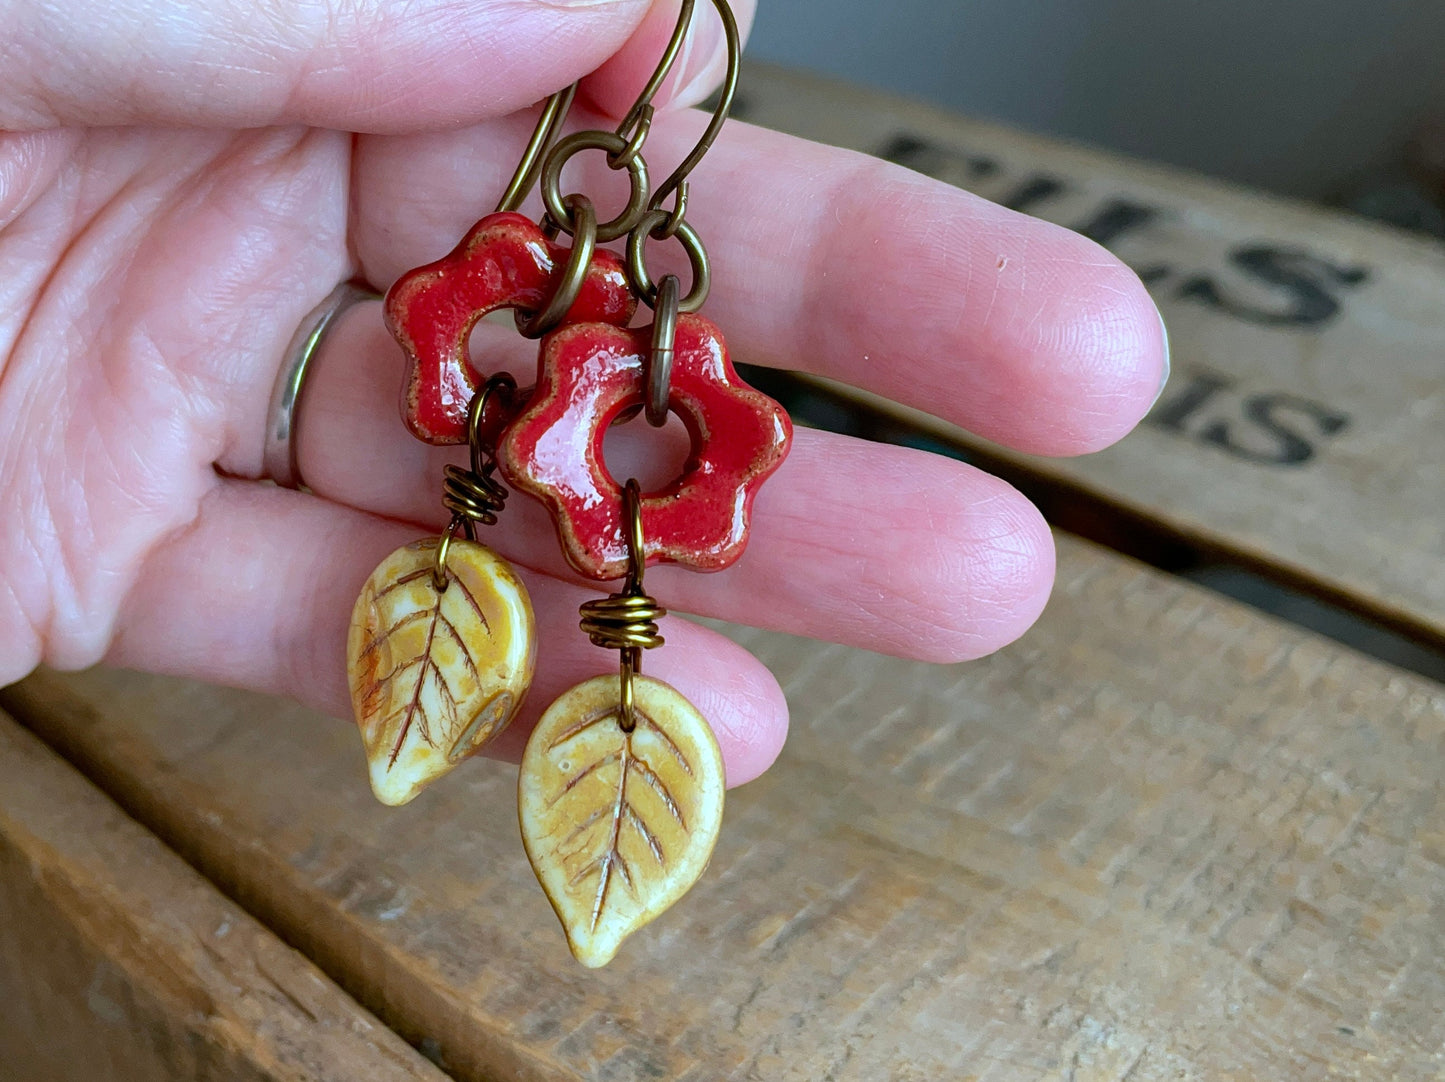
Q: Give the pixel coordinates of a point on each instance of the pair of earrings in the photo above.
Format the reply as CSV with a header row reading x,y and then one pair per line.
x,y
621,790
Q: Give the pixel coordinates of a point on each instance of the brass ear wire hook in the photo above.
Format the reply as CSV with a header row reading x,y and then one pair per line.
x,y
624,146
661,224
549,127
677,182
637,123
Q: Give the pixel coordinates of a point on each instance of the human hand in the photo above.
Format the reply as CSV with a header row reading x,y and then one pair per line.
x,y
178,188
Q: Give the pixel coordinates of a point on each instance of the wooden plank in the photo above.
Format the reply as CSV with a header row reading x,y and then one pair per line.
x,y
1304,428
1162,838
118,962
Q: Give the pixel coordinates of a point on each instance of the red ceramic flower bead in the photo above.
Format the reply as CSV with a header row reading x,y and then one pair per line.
x,y
506,261
590,373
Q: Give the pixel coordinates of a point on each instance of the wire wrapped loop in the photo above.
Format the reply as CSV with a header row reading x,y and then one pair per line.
x,y
473,495
627,621
623,622
474,498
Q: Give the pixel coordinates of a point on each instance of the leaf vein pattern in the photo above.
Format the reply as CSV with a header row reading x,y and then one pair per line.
x,y
414,709
668,742
660,787
385,681
472,601
405,580
456,636
589,721
648,836
577,779
613,856
581,829
383,636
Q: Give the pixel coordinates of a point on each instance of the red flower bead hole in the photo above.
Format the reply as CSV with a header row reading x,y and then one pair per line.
x,y
506,261
590,373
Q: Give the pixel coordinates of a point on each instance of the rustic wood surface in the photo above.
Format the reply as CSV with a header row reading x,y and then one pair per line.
x,y
1162,838
118,963
1304,428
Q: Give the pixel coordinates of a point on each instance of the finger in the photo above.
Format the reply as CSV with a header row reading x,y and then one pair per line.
x,y
258,591
837,264
373,65
701,64
882,547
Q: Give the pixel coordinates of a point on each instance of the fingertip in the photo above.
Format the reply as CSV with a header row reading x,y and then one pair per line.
x,y
1034,336
738,695
1018,563
1101,352
979,570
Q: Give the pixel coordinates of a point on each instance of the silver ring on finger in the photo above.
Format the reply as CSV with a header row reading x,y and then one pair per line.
x,y
279,458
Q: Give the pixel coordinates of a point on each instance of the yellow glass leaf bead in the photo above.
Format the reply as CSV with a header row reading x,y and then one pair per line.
x,y
618,826
436,675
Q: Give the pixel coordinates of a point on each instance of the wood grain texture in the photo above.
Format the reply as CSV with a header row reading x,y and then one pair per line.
x,y
1162,838
118,963
1304,428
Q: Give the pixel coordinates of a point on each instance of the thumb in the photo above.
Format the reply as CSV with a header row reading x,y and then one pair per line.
x,y
355,65
700,67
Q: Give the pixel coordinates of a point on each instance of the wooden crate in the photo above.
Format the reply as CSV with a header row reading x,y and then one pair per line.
x,y
1163,837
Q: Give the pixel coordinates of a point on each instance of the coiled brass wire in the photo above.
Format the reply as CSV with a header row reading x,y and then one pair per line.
x,y
623,622
473,498
473,495
627,621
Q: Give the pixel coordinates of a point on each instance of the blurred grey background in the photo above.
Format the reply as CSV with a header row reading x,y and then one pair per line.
x,y
1312,98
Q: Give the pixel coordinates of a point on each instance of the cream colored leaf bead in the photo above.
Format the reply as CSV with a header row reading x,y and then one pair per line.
x,y
618,827
435,676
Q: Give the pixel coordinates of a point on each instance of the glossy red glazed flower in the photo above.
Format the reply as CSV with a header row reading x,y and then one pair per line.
x,y
590,373
506,261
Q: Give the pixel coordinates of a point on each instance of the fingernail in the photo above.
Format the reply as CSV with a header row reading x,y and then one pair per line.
x,y
704,57
1164,380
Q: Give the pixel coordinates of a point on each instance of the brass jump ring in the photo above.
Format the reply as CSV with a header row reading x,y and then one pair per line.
x,y
615,146
584,244
636,566
642,281
659,363
502,385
